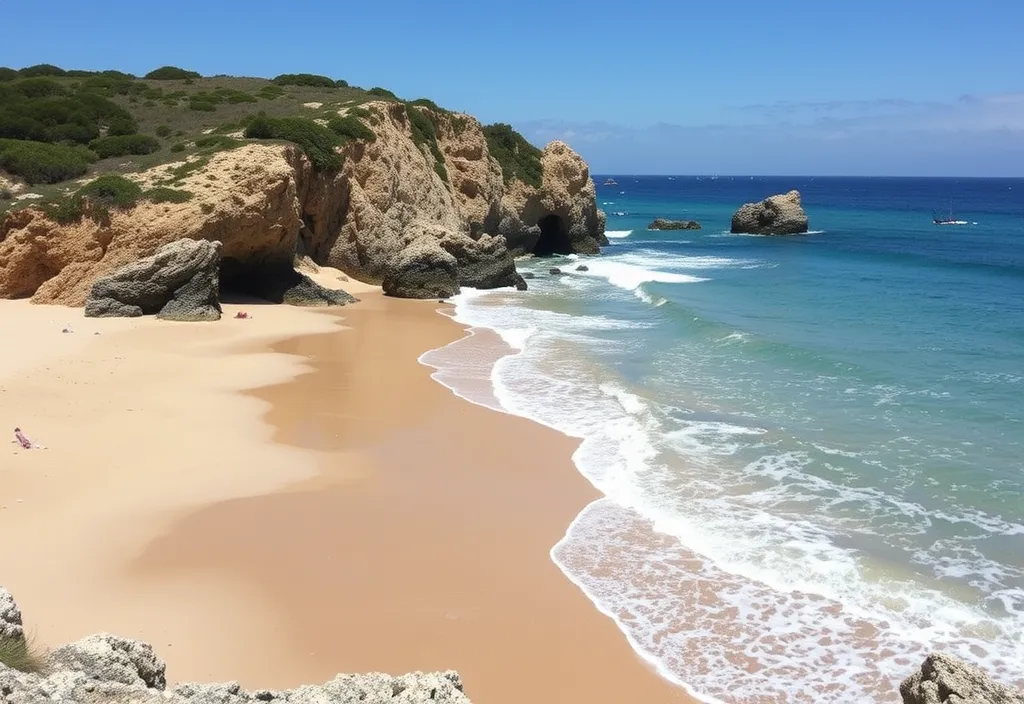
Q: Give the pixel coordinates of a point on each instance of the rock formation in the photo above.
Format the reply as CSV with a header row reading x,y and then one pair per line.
x,y
562,216
266,204
663,224
106,669
179,282
944,679
775,215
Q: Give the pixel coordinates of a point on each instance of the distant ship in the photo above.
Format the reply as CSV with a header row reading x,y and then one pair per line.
x,y
611,182
951,220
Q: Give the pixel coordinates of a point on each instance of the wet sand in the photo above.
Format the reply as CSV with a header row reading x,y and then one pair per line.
x,y
421,543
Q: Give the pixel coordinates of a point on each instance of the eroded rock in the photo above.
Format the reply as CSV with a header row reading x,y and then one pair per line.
x,y
179,282
106,669
944,679
663,224
775,215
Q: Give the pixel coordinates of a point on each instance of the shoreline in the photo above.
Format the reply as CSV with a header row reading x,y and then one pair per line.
x,y
402,554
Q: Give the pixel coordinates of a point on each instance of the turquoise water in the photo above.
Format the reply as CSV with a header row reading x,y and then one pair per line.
x,y
812,447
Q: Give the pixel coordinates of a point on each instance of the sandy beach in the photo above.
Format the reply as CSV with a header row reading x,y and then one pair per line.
x,y
279,499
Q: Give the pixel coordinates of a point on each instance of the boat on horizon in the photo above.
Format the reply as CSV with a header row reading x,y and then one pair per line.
x,y
951,220
610,182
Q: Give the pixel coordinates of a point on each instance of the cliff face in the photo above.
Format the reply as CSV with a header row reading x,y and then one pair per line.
x,y
266,204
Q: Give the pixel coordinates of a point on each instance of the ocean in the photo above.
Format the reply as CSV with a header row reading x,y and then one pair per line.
x,y
811,448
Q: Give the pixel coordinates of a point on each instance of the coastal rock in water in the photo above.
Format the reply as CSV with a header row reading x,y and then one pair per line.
x,y
562,216
944,679
528,275
663,224
179,282
776,215
424,269
555,271
583,267
106,669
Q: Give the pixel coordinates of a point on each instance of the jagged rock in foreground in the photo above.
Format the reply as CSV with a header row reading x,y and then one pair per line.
x,y
106,669
423,269
663,224
775,215
179,282
944,679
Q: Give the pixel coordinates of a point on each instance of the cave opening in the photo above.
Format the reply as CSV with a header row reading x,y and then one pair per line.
x,y
554,239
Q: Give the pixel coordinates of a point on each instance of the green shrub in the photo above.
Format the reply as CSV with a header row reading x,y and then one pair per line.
x,y
163,131
359,112
39,87
18,655
350,127
112,191
382,93
149,104
304,79
217,142
163,194
121,125
6,194
179,147
518,158
424,132
171,73
124,145
43,70
201,105
317,141
8,74
426,103
37,162
271,92
341,83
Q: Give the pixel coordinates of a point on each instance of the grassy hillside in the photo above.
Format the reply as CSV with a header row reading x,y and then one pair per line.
x,y
57,126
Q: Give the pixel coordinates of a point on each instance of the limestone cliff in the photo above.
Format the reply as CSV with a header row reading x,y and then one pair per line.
x,y
267,204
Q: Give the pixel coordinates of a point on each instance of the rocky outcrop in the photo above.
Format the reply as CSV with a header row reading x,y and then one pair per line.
x,y
776,215
266,204
106,669
10,619
179,282
423,269
562,216
944,679
663,224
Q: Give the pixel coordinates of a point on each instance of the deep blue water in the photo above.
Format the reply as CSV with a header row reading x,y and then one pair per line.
x,y
812,447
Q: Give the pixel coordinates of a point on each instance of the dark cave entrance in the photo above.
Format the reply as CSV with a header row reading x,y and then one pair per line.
x,y
553,237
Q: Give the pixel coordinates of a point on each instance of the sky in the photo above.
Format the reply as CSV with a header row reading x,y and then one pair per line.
x,y
823,87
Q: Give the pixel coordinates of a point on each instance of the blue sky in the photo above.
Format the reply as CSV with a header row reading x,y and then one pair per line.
x,y
892,87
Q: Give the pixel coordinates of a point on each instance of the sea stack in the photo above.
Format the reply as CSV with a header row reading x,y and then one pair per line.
x,y
776,215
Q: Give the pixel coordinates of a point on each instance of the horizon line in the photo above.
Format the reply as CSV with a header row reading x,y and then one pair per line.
x,y
709,175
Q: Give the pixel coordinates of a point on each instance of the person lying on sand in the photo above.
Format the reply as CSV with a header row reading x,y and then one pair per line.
x,y
22,440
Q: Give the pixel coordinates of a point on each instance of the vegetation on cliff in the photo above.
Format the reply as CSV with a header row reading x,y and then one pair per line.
x,y
518,158
57,125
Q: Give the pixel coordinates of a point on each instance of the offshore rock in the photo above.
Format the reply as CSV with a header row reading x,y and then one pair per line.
x,y
663,224
775,215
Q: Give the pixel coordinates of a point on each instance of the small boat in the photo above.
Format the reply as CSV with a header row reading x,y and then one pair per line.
x,y
951,220
610,182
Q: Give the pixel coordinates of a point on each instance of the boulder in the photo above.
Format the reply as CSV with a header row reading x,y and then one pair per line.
x,y
944,679
555,271
775,215
528,275
483,263
583,267
179,282
663,224
423,269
